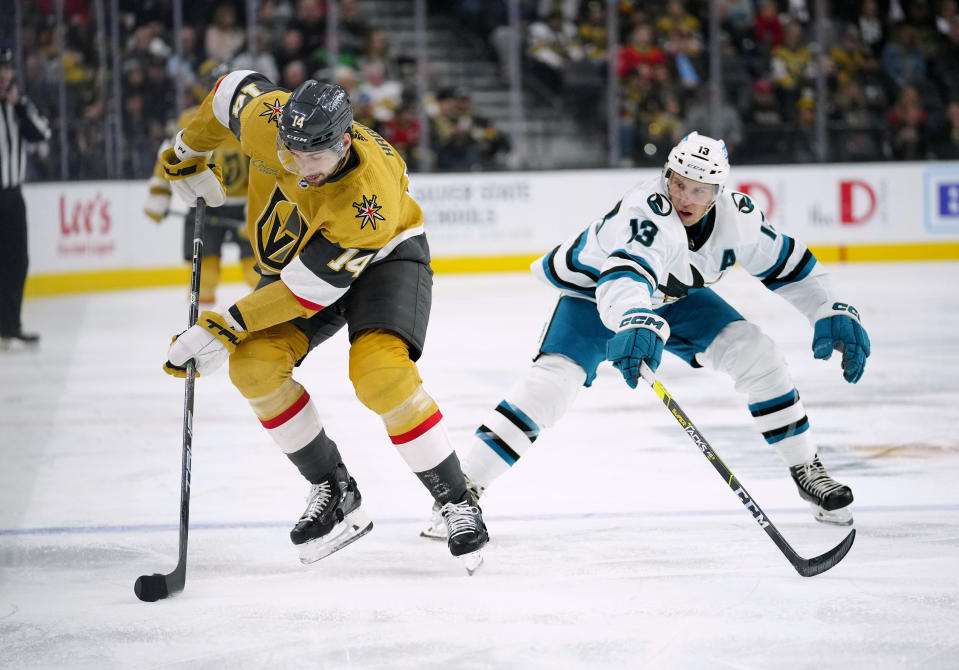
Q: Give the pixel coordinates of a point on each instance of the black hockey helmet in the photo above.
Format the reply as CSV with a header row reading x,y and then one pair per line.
x,y
6,57
315,117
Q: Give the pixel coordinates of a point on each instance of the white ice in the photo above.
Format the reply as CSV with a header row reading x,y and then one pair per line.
x,y
615,543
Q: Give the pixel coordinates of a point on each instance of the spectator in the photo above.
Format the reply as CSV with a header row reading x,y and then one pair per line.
x,y
677,18
291,48
452,140
639,51
684,50
184,66
224,38
908,131
768,33
791,65
737,18
353,31
553,43
311,20
903,60
262,62
804,145
765,132
948,12
947,146
377,50
593,35
945,67
661,130
381,94
294,74
872,28
859,139
849,56
403,132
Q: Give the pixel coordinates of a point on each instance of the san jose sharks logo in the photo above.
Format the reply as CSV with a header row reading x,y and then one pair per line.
x,y
743,203
273,111
675,289
659,204
368,211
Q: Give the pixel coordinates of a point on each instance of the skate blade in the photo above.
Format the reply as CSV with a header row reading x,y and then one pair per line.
x,y
355,525
836,517
472,561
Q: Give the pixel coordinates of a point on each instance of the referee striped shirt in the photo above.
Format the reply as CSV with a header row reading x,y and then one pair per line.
x,y
20,123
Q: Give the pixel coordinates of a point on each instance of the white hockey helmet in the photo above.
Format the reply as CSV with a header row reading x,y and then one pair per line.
x,y
699,158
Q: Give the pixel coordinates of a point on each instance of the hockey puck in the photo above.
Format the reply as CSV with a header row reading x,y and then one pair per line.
x,y
150,588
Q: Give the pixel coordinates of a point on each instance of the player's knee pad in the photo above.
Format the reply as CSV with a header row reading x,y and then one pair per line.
x,y
264,361
750,357
548,388
382,373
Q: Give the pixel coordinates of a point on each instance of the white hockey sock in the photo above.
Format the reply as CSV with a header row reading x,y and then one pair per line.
x,y
782,421
536,401
758,369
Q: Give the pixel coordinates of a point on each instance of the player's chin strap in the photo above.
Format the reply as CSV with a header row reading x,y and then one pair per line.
x,y
805,567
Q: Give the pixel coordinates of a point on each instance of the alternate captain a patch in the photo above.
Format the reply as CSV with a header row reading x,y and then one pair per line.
x,y
368,212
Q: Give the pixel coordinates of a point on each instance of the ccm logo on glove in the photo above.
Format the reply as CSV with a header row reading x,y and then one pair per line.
x,y
642,320
843,307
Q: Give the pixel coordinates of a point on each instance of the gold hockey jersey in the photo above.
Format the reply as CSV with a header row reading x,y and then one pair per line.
x,y
318,238
229,156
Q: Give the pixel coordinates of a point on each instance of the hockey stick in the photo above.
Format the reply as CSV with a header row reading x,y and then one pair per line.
x,y
807,567
150,588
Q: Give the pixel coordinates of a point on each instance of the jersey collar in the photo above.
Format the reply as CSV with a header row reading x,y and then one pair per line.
x,y
699,233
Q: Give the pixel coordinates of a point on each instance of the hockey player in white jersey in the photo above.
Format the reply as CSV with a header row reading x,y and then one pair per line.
x,y
635,282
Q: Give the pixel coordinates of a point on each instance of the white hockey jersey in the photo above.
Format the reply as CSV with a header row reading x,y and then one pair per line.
x,y
640,255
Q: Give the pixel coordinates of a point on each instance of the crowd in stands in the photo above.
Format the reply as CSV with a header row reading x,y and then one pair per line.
x,y
891,69
290,48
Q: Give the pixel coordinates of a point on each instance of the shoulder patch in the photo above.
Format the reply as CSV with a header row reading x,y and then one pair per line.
x,y
660,204
742,202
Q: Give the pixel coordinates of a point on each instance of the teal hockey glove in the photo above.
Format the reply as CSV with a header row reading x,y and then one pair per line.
x,y
838,328
642,337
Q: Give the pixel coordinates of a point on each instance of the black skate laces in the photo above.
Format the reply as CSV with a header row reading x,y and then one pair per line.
x,y
812,477
320,495
460,517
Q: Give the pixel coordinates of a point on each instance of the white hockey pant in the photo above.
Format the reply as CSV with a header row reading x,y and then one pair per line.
x,y
536,401
758,369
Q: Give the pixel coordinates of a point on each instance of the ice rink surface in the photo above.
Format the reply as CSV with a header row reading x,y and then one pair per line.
x,y
615,543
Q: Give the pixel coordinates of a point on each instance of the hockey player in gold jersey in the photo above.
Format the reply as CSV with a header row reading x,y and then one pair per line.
x,y
227,224
339,241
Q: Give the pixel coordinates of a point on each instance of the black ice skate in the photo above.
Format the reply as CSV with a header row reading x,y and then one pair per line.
x,y
467,532
437,528
332,518
19,341
829,499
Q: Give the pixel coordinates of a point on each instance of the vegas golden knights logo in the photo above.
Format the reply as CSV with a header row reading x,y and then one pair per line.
x,y
279,232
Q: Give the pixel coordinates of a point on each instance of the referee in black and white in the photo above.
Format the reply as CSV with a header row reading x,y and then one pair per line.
x,y
20,123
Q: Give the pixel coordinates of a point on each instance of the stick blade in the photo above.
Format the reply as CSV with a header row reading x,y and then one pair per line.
x,y
815,566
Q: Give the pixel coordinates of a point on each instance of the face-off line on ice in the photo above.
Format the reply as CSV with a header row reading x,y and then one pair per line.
x,y
634,283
